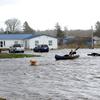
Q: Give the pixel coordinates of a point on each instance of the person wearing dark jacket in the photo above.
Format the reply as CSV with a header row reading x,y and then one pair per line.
x,y
72,52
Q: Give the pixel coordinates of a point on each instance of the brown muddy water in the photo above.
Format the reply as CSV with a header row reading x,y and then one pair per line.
x,y
77,79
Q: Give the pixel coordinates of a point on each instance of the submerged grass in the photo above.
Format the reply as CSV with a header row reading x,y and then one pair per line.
x,y
16,55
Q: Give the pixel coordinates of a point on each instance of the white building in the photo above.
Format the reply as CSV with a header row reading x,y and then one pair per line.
x,y
96,40
29,41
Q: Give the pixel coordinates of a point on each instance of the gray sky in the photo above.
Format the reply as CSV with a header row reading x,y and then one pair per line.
x,y
7,2
44,14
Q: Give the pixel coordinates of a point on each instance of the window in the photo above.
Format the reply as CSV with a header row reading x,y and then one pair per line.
x,y
1,44
50,42
36,43
16,42
4,43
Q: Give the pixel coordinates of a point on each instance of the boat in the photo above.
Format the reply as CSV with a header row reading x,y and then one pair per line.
x,y
66,57
94,54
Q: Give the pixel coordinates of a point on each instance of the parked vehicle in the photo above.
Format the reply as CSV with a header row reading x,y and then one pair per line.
x,y
41,48
16,48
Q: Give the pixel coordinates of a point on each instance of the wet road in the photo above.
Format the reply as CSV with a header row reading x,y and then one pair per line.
x,y
77,79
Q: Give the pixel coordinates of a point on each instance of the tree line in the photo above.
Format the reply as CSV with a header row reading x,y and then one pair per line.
x,y
14,26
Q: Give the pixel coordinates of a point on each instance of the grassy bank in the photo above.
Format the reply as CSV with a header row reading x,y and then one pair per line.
x,y
12,55
2,98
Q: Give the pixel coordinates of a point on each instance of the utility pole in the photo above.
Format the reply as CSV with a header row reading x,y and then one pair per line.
x,y
92,40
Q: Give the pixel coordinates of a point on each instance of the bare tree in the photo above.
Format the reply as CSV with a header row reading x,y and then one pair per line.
x,y
1,30
65,29
13,25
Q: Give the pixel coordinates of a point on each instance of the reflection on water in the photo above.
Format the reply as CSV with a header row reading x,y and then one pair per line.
x,y
77,79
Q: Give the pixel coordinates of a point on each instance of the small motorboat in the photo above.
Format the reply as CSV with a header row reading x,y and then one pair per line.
x,y
33,62
66,57
94,54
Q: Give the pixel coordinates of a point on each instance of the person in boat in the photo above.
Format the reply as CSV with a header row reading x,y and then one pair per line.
x,y
71,53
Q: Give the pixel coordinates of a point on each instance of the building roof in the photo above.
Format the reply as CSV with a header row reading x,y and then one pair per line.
x,y
37,35
15,36
96,38
20,36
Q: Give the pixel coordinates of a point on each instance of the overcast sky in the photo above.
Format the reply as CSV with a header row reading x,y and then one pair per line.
x,y
44,14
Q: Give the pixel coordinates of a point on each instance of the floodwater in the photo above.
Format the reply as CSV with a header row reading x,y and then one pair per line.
x,y
77,79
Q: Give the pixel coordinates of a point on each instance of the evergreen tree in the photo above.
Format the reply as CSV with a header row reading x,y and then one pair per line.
x,y
27,28
97,31
60,34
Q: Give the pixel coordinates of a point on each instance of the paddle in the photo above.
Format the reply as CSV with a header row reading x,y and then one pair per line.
x,y
76,49
74,52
